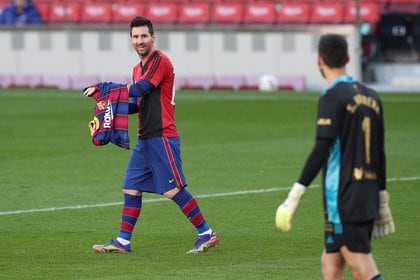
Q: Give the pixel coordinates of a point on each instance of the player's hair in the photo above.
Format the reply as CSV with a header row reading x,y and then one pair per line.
x,y
141,21
332,48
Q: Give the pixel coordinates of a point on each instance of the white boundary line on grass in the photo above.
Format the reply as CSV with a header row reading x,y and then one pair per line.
x,y
4,213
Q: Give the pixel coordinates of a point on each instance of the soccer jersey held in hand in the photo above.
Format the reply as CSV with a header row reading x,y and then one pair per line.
x,y
110,123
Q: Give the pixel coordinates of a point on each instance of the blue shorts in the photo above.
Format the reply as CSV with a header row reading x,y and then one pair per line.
x,y
155,166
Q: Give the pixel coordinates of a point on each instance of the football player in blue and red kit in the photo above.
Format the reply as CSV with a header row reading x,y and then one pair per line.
x,y
350,147
155,165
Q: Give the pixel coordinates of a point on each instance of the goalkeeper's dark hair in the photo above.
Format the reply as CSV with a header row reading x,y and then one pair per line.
x,y
141,21
333,49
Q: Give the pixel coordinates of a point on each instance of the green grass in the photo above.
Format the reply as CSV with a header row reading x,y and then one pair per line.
x,y
231,142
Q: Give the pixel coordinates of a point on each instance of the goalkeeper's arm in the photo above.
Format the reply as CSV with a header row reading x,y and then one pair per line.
x,y
313,164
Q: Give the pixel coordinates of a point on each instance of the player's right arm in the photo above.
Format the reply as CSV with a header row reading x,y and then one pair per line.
x,y
326,132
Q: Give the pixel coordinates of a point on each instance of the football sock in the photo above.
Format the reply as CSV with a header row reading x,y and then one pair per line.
x,y
130,213
188,205
378,277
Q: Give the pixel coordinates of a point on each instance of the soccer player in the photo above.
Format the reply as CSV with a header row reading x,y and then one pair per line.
x,y
350,146
155,165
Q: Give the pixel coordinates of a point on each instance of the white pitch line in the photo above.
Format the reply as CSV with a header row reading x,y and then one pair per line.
x,y
150,200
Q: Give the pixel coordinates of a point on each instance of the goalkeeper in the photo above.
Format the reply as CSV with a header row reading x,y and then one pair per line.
x,y
350,147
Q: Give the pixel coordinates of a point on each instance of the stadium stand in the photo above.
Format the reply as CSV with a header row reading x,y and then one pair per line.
x,y
124,12
327,13
96,13
260,13
198,13
162,12
228,13
294,13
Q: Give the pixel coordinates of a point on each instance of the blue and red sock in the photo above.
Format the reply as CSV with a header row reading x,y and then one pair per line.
x,y
189,206
130,213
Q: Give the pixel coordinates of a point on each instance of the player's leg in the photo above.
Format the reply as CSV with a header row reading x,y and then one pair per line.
x,y
356,250
332,266
167,154
362,265
137,175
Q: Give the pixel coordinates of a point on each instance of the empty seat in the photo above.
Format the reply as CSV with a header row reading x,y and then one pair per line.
x,y
327,13
162,12
194,13
227,13
124,13
369,12
61,13
96,13
293,13
260,13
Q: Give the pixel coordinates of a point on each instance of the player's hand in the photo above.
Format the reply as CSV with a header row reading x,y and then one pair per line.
x,y
287,209
89,91
384,225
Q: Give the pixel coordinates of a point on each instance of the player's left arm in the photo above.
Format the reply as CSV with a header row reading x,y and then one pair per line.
x,y
139,88
384,224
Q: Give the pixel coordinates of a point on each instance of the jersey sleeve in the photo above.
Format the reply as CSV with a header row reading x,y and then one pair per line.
x,y
156,71
328,118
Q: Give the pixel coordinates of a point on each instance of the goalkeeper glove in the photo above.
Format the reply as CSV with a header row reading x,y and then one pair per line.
x,y
384,224
288,208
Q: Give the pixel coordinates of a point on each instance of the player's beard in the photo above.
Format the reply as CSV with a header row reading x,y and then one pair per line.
x,y
321,71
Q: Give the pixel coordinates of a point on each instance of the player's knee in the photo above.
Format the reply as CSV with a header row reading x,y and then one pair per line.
x,y
171,193
132,192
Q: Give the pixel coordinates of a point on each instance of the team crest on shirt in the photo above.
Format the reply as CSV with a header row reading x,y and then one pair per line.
x,y
101,105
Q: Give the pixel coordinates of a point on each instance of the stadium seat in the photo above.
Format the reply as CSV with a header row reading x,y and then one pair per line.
x,y
56,81
162,12
6,80
44,11
62,13
291,82
293,13
27,81
200,82
227,13
232,82
369,12
125,12
260,13
327,13
96,13
194,13
82,81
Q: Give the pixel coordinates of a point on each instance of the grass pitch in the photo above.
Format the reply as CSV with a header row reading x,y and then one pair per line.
x,y
60,194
